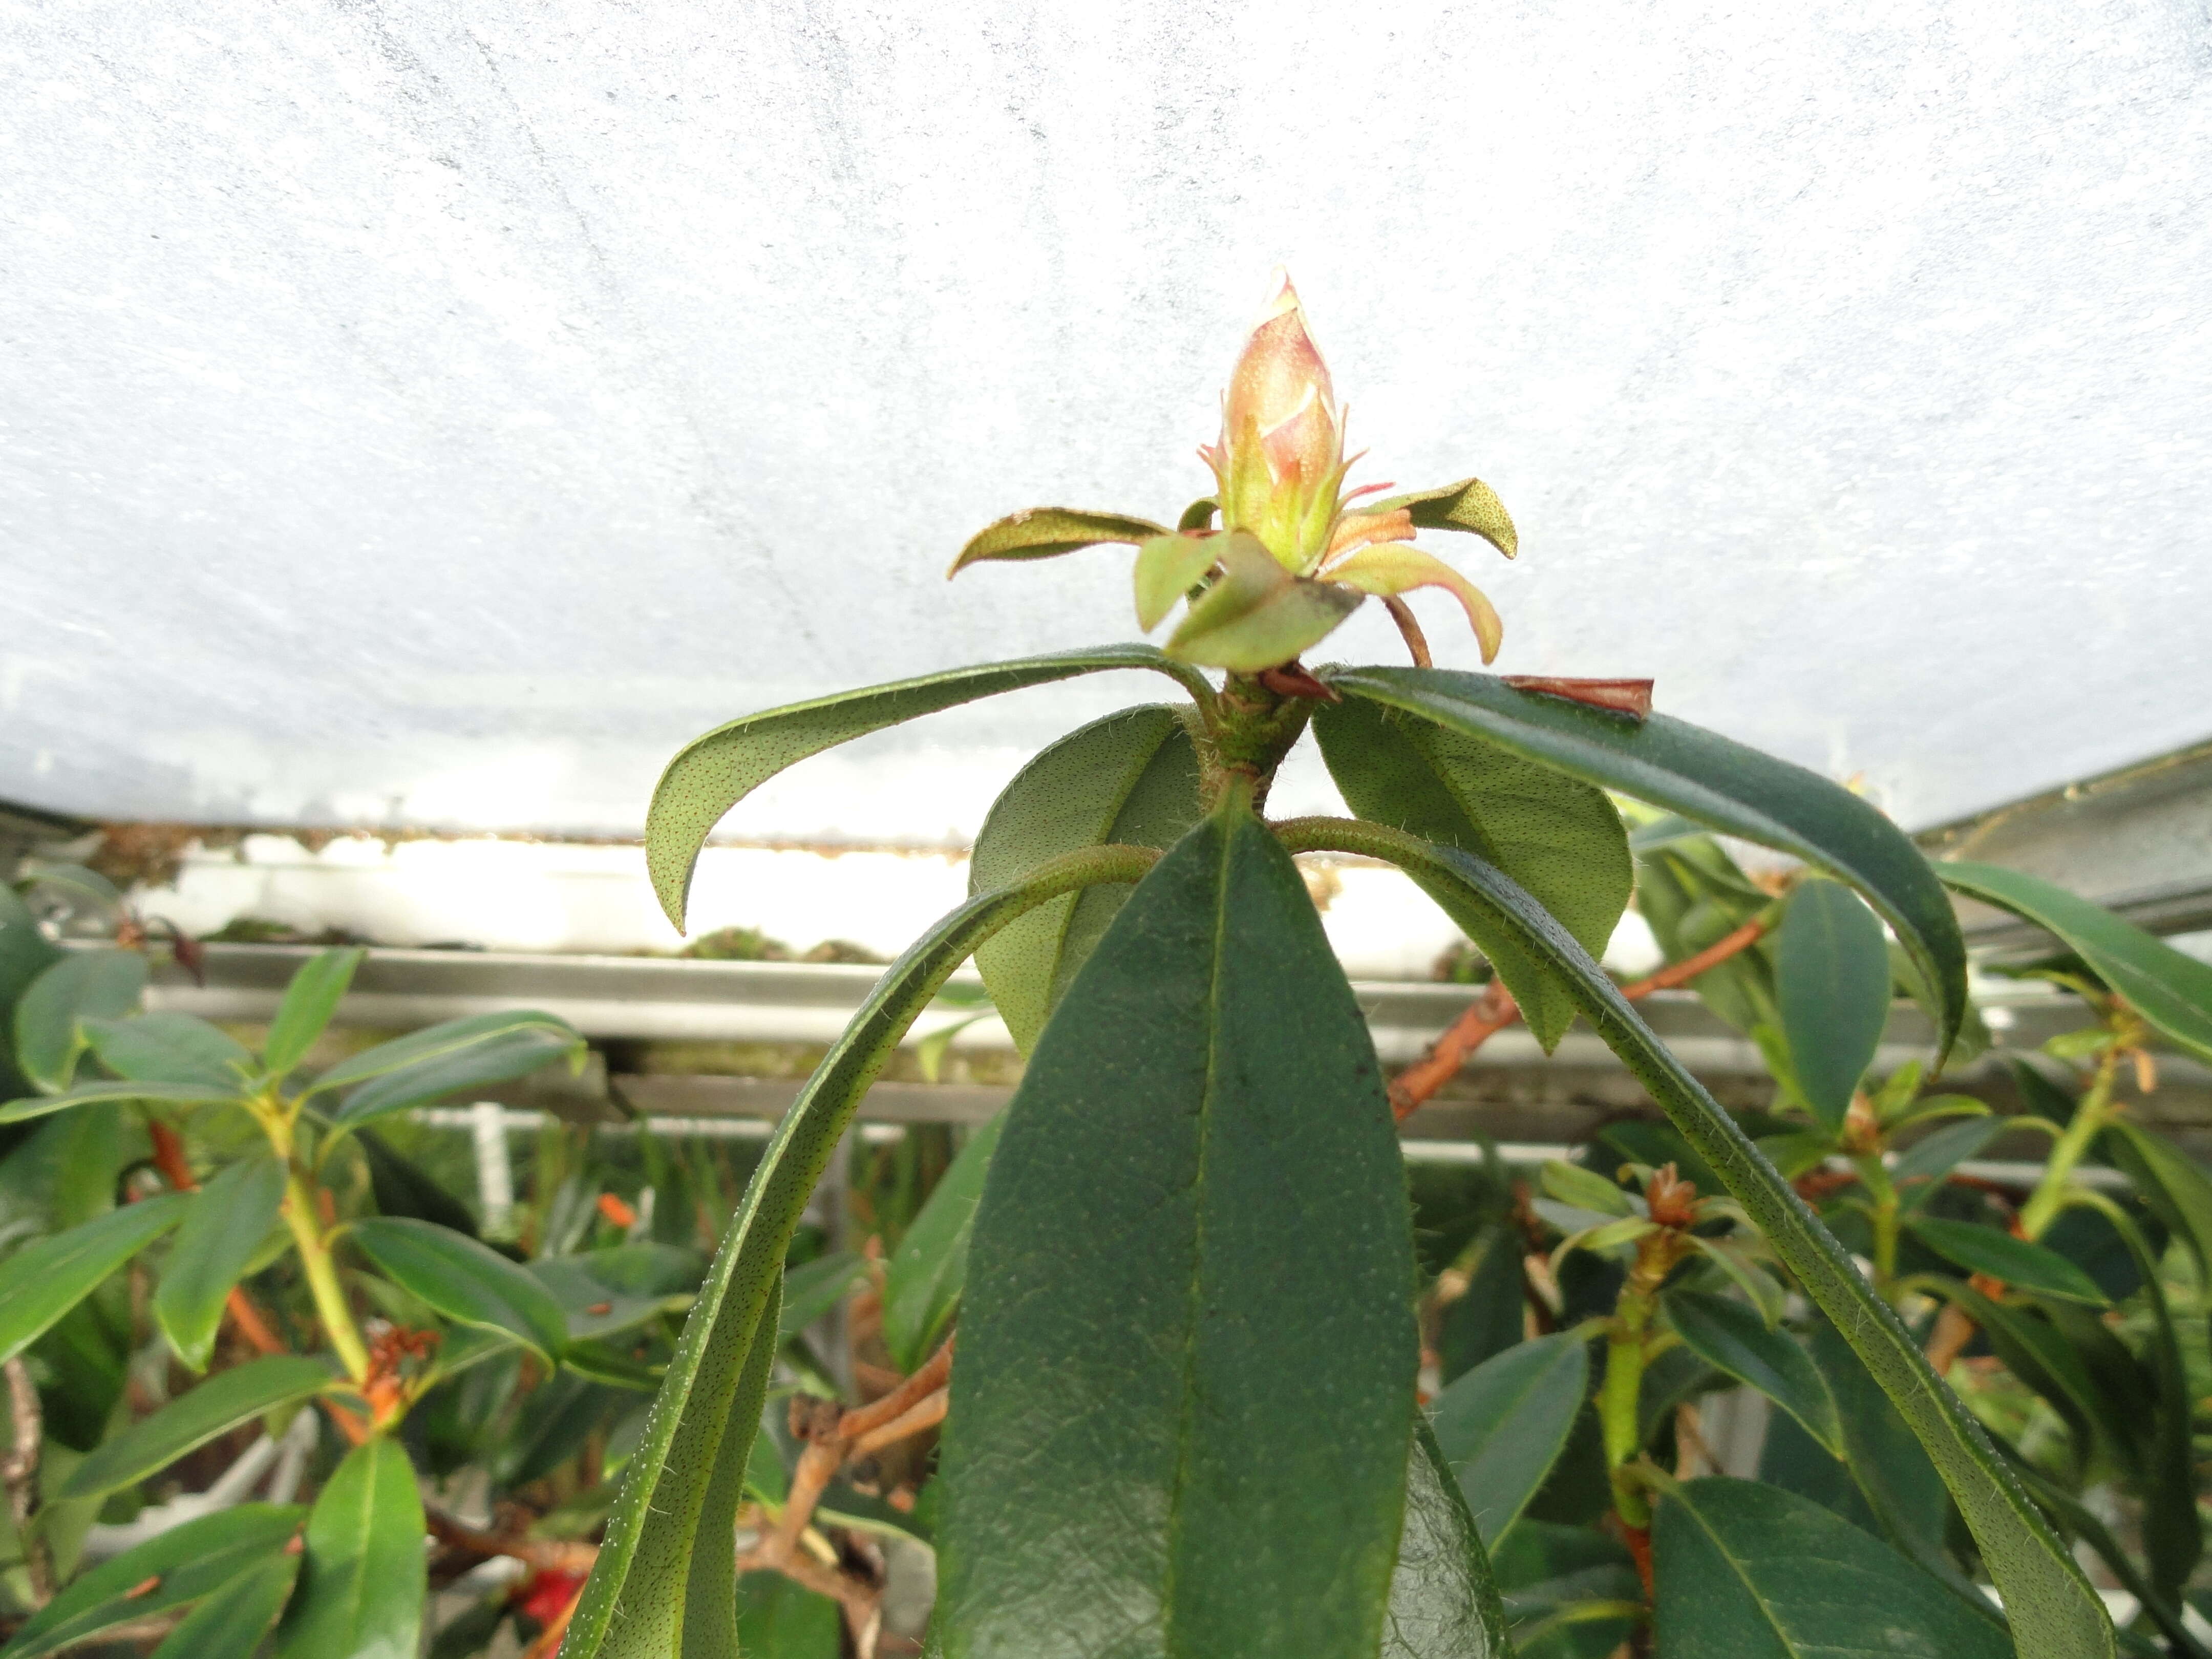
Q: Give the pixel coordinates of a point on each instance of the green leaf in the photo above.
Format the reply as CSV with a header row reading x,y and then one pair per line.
x,y
1503,1425
1586,1189
1901,1487
85,985
2057,1614
2177,1190
170,1048
1559,838
1701,775
1198,515
813,1290
1922,1170
1198,1185
1044,532
2173,992
223,1402
231,1623
929,1270
45,1279
402,1186
616,1289
1469,505
460,1053
463,1280
1734,1339
629,1608
309,1001
1443,1604
227,1224
1750,1572
187,1562
25,951
1169,567
1129,780
706,1623
1257,615
1832,980
361,1584
711,774
779,1619
1572,1592
2037,1352
2020,1264
91,1094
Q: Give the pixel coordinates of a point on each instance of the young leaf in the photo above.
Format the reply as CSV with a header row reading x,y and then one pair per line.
x,y
1832,980
1198,1184
1044,532
2056,1614
87,985
45,1279
928,1271
309,1001
711,774
1502,1425
648,1549
230,1624
183,1564
361,1584
1257,615
1560,838
228,1222
223,1402
1701,775
2173,992
2024,1266
1755,1572
460,1053
1734,1339
463,1280
1586,1189
1443,1603
170,1048
1169,567
94,1094
1470,505
1129,780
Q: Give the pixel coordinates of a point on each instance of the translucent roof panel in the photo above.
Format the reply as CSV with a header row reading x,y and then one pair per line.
x,y
432,415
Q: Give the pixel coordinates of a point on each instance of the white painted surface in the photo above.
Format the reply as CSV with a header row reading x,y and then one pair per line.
x,y
434,415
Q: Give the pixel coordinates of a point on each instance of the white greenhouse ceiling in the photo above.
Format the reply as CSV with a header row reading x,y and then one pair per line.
x,y
431,414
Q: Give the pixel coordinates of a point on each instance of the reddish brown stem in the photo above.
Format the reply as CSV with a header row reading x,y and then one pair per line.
x,y
546,1554
1409,629
1495,1009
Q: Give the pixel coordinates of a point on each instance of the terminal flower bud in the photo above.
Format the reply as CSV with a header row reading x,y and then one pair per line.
x,y
1280,460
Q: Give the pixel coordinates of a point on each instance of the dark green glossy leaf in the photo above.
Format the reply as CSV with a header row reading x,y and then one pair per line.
x,y
317,988
929,1269
361,1583
779,1619
1503,1425
2024,1266
1831,981
1691,895
227,1224
1921,1171
2059,1615
2177,1190
2037,1352
713,773
94,1094
1558,837
2171,991
602,1362
606,1291
45,1279
230,1624
402,1186
1750,1572
1044,532
85,985
1488,1318
1198,1185
1469,505
811,1290
1257,615
1897,1481
170,1048
1733,1338
463,1280
214,1408
186,1563
1443,1604
1129,780
1569,1592
647,1556
2070,1513
460,1053
1701,775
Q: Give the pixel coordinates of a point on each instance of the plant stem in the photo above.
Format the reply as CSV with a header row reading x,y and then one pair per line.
x,y
305,1221
19,1473
1617,1404
2089,1117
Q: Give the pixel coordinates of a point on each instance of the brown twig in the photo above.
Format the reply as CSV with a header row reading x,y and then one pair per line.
x,y
545,1554
1495,1009
861,1603
1409,629
19,1473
